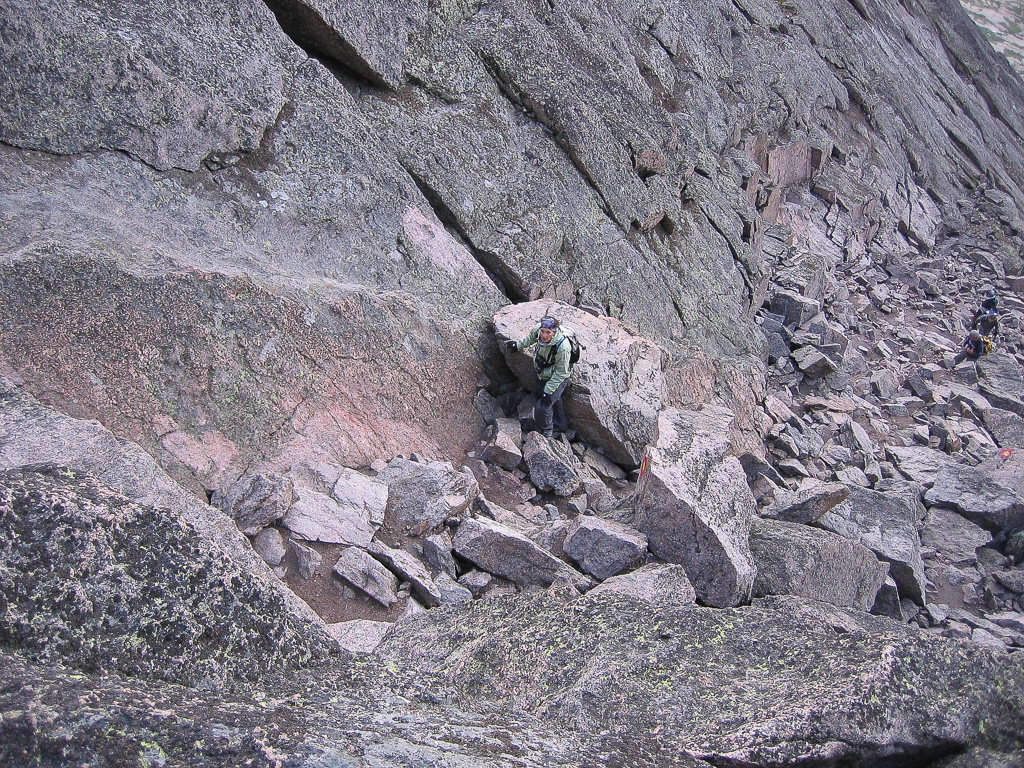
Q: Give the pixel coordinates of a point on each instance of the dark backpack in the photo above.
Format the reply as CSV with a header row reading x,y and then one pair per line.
x,y
575,347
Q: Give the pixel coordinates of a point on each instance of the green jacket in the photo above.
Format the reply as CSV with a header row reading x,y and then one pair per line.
x,y
551,362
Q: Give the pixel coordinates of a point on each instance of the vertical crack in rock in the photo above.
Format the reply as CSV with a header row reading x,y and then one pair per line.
x,y
522,102
737,258
490,262
313,34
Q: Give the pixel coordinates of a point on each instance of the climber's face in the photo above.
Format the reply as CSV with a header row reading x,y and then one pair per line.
x,y
546,335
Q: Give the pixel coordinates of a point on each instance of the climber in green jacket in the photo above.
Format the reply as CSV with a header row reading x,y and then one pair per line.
x,y
552,368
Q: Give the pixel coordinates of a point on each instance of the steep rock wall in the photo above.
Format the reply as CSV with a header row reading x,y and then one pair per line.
x,y
649,162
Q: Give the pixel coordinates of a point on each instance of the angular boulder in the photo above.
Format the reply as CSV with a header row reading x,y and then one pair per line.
x,y
794,559
887,525
694,504
922,465
954,538
553,467
657,584
1000,380
616,387
975,495
336,505
601,547
505,446
255,501
366,574
504,552
806,505
423,494
410,569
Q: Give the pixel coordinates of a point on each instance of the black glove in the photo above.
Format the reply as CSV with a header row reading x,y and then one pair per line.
x,y
545,400
511,345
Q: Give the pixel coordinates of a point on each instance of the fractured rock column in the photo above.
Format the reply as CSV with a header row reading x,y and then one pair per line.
x,y
695,506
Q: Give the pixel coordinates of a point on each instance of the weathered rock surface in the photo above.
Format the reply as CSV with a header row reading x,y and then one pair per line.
x,y
336,505
658,584
410,569
695,506
794,559
972,493
552,466
94,580
887,524
423,494
362,571
359,635
601,547
805,506
255,501
953,536
845,701
508,553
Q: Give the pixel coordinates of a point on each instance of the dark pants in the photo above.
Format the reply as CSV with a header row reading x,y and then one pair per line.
x,y
964,355
543,416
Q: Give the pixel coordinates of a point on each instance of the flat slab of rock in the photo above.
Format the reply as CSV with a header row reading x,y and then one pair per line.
x,y
658,584
601,547
794,559
954,538
366,574
1000,380
975,495
505,552
307,558
922,465
1007,427
316,517
270,545
615,394
887,525
360,635
694,504
409,568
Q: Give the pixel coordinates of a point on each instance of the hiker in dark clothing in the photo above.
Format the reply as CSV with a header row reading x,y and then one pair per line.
x,y
989,304
988,324
973,348
552,368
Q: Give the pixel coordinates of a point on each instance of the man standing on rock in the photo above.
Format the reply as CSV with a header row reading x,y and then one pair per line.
x,y
972,348
552,367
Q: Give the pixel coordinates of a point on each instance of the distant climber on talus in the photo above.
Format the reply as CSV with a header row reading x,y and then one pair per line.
x,y
989,304
552,367
988,324
973,348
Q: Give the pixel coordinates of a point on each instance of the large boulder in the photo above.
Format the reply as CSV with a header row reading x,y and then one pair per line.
x,y
887,524
921,465
795,559
1000,380
601,547
616,390
336,505
972,492
694,504
423,494
505,552
553,467
255,501
954,538
92,579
